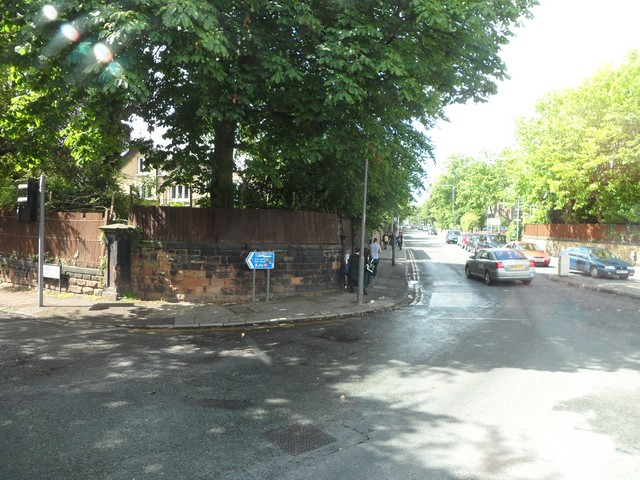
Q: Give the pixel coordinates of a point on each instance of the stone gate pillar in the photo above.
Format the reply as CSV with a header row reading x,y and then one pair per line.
x,y
118,272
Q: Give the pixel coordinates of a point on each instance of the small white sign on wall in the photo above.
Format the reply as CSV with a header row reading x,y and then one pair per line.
x,y
51,271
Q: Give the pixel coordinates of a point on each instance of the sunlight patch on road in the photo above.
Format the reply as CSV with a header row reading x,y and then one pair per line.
x,y
458,300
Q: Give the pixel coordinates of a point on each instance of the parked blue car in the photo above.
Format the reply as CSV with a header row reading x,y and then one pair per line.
x,y
598,262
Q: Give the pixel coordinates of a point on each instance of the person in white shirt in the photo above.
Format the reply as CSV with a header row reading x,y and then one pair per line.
x,y
374,248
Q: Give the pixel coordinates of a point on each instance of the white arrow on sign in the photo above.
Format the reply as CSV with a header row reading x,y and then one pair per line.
x,y
260,260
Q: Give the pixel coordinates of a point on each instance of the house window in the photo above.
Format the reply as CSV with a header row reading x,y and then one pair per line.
x,y
146,191
180,193
142,165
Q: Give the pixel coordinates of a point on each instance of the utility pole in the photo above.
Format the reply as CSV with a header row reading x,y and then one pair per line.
x,y
363,232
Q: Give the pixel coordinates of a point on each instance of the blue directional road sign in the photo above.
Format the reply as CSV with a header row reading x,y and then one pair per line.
x,y
260,260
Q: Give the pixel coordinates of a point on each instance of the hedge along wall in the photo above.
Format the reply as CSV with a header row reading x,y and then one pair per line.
x,y
198,254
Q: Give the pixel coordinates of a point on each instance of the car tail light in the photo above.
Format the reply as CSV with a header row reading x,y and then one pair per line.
x,y
532,263
499,264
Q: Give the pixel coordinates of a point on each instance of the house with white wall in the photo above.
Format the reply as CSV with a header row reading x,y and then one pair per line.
x,y
147,183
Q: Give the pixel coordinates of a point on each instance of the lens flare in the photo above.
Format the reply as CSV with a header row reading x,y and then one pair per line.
x,y
50,12
70,32
102,52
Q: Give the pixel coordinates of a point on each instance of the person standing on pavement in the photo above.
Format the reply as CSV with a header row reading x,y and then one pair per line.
x,y
368,269
354,263
375,255
385,240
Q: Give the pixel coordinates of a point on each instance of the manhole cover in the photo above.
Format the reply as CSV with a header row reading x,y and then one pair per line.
x,y
297,439
340,335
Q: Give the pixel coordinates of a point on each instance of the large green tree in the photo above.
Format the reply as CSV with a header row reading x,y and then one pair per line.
x,y
303,90
54,121
477,186
580,153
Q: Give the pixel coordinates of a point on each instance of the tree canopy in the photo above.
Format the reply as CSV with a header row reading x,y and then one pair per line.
x,y
580,153
292,95
53,121
577,159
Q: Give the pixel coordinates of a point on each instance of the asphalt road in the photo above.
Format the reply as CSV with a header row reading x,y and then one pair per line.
x,y
468,381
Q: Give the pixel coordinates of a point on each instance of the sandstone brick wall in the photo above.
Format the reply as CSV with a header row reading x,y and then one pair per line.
x,y
213,273
77,280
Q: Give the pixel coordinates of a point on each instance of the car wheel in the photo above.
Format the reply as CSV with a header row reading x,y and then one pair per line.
x,y
594,272
487,277
467,272
527,282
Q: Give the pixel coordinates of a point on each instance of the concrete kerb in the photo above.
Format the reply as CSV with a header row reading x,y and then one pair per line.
x,y
612,286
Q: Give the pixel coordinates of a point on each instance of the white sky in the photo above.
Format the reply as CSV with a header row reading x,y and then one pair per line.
x,y
565,43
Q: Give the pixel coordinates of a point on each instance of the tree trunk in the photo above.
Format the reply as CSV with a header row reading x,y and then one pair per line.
x,y
221,190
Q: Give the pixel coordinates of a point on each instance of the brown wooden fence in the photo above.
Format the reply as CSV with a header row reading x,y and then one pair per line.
x,y
585,232
73,238
219,225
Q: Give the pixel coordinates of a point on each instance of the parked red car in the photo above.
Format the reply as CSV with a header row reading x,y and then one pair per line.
x,y
532,252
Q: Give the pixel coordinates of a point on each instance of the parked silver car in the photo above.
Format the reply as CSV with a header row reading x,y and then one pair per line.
x,y
500,264
452,236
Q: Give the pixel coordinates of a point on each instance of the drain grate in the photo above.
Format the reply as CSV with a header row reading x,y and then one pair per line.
x,y
297,439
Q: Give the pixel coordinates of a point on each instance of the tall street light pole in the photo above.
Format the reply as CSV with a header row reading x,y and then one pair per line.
x,y
363,227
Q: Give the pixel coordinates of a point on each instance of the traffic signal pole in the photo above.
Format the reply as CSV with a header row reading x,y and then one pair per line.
x,y
41,244
30,201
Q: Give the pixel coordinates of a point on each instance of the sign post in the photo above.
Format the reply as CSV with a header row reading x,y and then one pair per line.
x,y
53,270
260,261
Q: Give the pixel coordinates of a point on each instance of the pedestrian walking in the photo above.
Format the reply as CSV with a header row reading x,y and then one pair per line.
x,y
368,269
375,255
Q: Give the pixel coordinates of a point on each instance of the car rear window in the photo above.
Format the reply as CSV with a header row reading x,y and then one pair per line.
x,y
509,255
497,238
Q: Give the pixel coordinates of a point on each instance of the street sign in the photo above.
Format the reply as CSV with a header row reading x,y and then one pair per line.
x,y
51,270
260,260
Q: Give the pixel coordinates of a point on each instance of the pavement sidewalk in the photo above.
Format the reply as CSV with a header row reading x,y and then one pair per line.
x,y
387,290
627,288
